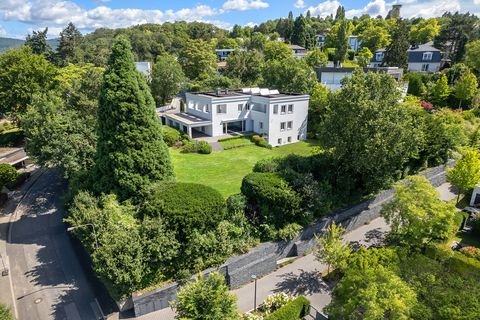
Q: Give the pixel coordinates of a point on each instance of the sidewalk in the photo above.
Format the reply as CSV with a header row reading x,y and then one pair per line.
x,y
6,216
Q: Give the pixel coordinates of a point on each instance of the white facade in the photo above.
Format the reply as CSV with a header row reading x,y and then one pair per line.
x,y
281,118
424,66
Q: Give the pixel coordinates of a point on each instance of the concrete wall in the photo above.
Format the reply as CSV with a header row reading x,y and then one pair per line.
x,y
262,259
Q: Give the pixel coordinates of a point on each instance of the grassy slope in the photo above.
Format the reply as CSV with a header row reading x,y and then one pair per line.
x,y
225,170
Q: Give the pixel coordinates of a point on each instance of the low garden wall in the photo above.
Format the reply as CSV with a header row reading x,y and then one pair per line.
x,y
262,259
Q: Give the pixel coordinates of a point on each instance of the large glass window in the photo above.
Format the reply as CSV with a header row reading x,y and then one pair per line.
x,y
289,125
240,107
290,108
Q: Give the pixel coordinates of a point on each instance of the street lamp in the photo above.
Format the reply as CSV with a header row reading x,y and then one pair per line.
x,y
84,225
254,277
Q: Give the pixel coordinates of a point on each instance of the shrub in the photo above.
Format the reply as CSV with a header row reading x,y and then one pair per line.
x,y
5,313
255,138
270,199
185,207
263,143
234,138
275,301
190,147
289,231
171,135
471,252
8,175
236,203
12,138
267,165
293,310
204,147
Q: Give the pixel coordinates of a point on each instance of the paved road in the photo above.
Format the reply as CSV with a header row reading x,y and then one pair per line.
x,y
48,281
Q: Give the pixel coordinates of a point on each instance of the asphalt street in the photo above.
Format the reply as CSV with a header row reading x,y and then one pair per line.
x,y
48,279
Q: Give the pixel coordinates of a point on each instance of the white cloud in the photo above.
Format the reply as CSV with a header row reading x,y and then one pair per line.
x,y
56,13
476,2
251,24
243,5
299,4
373,8
325,8
3,32
431,8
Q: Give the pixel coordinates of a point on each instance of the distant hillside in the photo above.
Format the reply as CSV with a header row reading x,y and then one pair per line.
x,y
8,43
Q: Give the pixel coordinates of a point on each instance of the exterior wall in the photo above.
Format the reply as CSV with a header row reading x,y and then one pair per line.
x,y
232,112
299,119
417,66
197,106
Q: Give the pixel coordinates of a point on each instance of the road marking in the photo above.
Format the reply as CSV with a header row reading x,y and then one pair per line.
x,y
15,311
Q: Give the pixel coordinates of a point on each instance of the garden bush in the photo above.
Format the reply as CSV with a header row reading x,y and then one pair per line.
x,y
185,207
293,310
289,231
5,313
267,165
204,147
8,175
235,138
171,135
351,54
255,138
275,301
263,143
270,199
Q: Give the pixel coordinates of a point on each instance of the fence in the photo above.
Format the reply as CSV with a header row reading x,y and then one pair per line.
x,y
262,259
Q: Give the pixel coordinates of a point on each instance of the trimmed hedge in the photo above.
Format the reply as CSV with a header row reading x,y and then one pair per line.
x,y
201,147
171,135
233,138
186,207
293,310
270,198
8,175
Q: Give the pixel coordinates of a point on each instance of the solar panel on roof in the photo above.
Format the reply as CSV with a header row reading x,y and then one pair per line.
x,y
255,90
264,92
274,91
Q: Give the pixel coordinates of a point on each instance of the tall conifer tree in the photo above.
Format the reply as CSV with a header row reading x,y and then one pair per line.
x,y
130,150
396,52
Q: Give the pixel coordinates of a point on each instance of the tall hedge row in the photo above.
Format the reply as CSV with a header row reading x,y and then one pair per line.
x,y
293,310
186,207
270,198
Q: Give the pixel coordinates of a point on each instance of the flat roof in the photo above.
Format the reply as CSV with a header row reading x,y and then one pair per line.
x,y
238,93
187,118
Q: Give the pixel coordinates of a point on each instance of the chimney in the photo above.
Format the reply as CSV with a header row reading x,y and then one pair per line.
x,y
217,92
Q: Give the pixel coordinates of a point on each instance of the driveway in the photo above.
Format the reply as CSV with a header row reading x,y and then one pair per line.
x,y
48,280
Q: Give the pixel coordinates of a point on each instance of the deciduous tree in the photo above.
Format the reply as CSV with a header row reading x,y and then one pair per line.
x,y
245,65
22,75
317,58
416,214
465,175
331,249
364,57
465,87
198,59
167,78
424,31
289,75
208,297
472,55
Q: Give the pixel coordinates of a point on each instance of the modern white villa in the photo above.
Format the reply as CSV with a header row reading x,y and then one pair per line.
x,y
280,117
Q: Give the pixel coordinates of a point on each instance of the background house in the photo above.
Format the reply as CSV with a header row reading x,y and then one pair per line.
x,y
424,58
298,51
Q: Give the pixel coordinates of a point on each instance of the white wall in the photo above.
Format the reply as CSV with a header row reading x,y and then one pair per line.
x,y
417,66
232,113
299,119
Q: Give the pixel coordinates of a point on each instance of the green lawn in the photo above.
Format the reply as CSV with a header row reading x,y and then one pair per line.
x,y
225,170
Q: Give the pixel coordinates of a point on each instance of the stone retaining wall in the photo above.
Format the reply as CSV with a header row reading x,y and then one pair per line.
x,y
262,259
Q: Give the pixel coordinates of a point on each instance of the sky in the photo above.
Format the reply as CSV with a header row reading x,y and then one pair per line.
x,y
20,17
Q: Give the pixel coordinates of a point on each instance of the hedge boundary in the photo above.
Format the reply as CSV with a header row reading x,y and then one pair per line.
x,y
293,310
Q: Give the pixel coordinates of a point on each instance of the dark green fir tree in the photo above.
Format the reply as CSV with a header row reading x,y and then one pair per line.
x,y
130,150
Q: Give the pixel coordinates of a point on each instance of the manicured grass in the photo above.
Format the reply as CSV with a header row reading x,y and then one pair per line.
x,y
234,143
225,170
